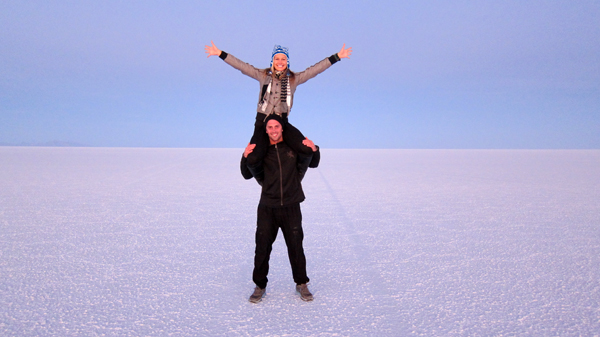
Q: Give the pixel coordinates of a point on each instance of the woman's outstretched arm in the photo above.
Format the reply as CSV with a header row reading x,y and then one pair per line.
x,y
319,67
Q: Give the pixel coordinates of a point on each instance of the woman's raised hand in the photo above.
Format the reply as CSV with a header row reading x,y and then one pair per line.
x,y
212,50
345,52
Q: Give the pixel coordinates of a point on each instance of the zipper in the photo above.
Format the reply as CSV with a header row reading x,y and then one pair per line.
x,y
280,174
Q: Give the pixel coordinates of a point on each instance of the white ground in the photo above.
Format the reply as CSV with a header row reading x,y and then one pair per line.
x,y
159,242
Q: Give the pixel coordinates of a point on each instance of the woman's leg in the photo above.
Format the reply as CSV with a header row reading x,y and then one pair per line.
x,y
261,139
293,138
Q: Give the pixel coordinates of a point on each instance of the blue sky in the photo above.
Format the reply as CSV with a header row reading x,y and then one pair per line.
x,y
423,74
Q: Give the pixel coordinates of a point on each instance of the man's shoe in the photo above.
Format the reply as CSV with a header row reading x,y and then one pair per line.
x,y
305,294
257,295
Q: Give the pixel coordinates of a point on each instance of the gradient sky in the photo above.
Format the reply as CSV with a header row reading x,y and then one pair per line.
x,y
423,74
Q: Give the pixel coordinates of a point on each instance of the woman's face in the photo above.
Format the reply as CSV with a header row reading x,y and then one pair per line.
x,y
279,62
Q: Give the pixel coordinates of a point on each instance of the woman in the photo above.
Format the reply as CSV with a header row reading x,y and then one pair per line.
x,y
277,86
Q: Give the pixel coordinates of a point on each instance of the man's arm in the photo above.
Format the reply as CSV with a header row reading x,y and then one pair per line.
x,y
243,163
244,169
316,159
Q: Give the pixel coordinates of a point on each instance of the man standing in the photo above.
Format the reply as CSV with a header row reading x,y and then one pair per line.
x,y
279,207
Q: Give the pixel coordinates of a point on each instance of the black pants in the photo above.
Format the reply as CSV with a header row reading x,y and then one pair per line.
x,y
269,220
291,135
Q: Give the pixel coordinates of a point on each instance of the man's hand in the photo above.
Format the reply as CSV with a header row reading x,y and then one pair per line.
x,y
310,144
250,148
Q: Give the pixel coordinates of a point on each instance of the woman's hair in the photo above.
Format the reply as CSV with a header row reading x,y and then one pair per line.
x,y
270,71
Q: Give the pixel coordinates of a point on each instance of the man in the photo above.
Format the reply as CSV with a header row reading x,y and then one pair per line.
x,y
279,206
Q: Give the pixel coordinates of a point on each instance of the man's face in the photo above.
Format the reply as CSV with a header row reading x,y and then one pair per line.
x,y
274,131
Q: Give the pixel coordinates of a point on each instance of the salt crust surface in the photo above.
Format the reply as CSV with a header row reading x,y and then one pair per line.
x,y
157,242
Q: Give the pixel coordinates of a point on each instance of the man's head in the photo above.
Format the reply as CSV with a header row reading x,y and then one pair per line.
x,y
274,128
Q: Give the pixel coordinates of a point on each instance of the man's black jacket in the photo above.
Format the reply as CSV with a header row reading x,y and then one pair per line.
x,y
283,173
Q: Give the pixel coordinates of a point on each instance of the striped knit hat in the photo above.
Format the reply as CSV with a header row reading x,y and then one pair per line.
x,y
280,50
